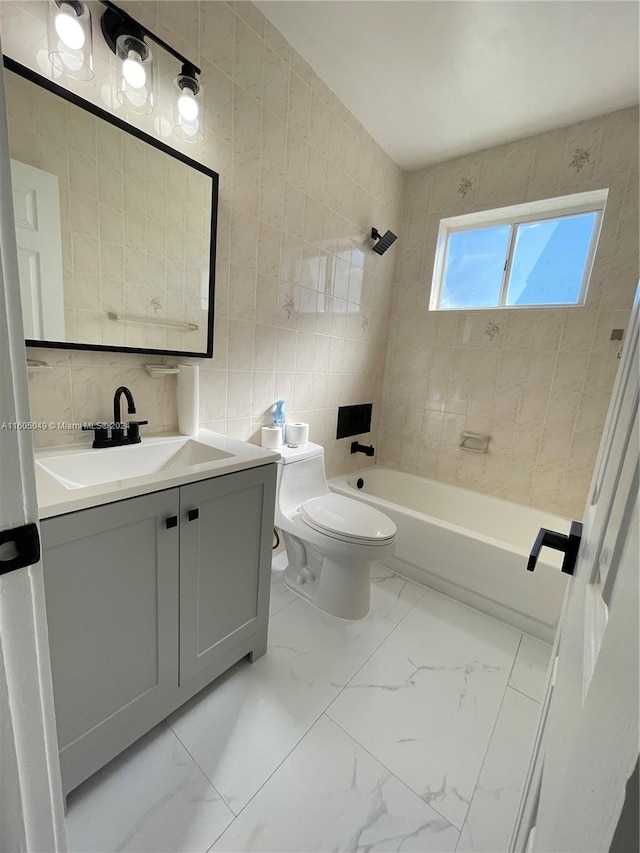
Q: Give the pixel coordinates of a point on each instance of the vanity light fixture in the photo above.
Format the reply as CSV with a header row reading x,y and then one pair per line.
x,y
189,119
126,38
70,38
71,52
129,40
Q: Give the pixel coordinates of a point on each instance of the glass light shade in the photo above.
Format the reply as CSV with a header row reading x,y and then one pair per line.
x,y
188,122
136,84
70,38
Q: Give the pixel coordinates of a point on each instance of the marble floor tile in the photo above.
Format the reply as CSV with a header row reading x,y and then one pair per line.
x,y
530,669
331,795
151,799
416,689
391,595
280,595
495,801
425,704
249,720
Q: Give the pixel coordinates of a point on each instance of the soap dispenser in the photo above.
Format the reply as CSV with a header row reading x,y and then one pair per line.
x,y
279,416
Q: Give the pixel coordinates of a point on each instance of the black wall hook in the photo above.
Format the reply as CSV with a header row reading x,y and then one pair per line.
x,y
559,542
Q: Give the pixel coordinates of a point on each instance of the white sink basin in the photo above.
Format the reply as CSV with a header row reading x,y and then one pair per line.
x,y
80,469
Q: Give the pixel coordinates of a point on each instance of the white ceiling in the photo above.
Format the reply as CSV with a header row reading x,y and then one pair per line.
x,y
432,80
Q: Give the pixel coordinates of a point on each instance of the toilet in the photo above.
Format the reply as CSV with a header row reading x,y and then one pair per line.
x,y
331,540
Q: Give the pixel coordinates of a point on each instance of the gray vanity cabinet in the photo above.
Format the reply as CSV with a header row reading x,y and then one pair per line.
x,y
148,601
111,586
224,590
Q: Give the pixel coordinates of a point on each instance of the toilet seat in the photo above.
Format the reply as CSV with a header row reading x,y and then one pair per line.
x,y
348,520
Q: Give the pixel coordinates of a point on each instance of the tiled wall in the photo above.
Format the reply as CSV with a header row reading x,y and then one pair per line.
x,y
302,308
302,305
116,223
538,381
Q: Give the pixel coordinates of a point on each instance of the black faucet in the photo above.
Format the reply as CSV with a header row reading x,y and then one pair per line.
x,y
362,448
117,430
128,433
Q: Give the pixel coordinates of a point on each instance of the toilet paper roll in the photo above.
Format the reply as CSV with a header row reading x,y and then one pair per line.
x,y
271,437
297,434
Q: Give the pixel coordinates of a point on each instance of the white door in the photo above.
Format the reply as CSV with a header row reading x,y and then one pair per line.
x,y
36,205
31,807
587,746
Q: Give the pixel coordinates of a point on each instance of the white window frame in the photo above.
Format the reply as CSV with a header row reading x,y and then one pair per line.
x,y
533,211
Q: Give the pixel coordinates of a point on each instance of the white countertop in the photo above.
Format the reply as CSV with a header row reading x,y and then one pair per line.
x,y
54,499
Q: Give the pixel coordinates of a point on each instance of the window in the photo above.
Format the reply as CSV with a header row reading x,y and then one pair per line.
x,y
529,255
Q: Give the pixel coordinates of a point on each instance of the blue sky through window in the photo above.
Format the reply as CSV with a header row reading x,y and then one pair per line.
x,y
475,263
549,259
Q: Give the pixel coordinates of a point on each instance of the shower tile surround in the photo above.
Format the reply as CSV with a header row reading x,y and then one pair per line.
x,y
302,306
538,381
305,312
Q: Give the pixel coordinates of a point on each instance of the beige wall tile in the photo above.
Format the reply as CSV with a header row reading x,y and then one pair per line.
x,y
541,383
248,66
303,310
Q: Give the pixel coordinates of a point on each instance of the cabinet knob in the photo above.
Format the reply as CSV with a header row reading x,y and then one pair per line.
x,y
193,514
172,521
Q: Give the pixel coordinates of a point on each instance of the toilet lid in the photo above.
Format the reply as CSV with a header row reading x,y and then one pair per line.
x,y
347,519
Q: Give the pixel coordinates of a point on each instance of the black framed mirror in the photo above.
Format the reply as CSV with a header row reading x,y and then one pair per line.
x,y
116,230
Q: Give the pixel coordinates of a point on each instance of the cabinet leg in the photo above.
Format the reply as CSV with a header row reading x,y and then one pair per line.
x,y
259,649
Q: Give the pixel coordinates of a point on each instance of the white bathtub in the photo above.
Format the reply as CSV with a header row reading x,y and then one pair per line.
x,y
470,546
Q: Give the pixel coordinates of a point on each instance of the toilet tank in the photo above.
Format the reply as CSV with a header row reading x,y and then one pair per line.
x,y
300,477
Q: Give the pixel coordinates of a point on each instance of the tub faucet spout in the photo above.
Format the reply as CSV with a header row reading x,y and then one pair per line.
x,y
362,448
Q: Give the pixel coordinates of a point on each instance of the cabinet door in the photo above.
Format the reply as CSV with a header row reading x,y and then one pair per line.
x,y
111,584
225,564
